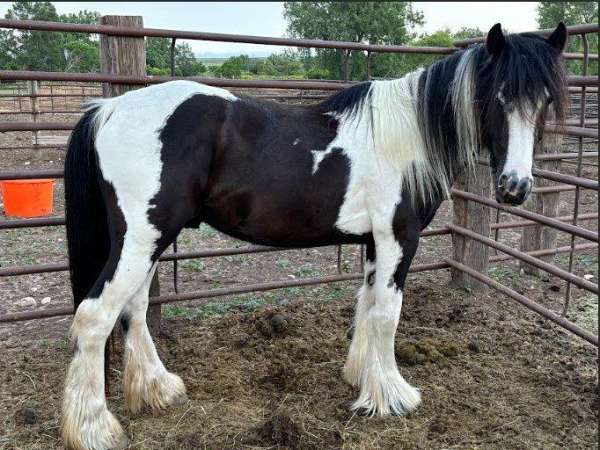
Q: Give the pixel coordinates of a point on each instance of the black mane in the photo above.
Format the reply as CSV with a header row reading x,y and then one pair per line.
x,y
347,101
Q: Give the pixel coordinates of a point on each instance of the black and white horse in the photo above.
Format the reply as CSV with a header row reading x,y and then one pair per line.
x,y
369,165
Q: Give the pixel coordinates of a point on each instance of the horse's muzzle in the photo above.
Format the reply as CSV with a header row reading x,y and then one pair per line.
x,y
512,189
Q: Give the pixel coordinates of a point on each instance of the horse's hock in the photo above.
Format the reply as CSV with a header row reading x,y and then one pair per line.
x,y
545,237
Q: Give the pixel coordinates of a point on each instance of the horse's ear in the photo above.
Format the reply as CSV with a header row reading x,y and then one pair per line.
x,y
558,38
495,40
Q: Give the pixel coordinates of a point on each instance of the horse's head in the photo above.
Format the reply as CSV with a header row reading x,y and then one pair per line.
x,y
521,78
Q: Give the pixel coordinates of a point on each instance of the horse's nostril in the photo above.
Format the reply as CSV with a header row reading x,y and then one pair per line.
x,y
502,180
524,185
512,185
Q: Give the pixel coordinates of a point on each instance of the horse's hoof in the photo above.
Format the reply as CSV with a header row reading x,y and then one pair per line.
x,y
122,444
181,400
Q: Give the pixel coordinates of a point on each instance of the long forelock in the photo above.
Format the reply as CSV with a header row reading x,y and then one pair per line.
x,y
527,72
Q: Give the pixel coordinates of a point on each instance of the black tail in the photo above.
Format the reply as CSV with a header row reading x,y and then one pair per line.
x,y
87,229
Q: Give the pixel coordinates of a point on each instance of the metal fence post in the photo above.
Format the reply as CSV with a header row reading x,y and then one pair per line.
x,y
475,217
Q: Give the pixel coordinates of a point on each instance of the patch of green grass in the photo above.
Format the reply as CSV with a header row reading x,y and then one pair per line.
x,y
283,263
207,231
588,261
306,270
215,308
499,273
292,291
196,265
237,258
562,259
334,293
170,311
586,312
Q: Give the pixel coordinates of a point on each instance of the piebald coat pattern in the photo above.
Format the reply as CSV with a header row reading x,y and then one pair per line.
x,y
370,165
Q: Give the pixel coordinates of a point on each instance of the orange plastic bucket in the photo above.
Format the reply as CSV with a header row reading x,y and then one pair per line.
x,y
28,198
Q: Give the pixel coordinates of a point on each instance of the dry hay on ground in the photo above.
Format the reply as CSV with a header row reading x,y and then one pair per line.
x,y
491,378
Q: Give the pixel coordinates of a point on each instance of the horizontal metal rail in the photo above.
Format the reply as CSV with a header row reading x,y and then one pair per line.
x,y
63,266
144,80
209,294
568,325
529,223
572,131
550,189
31,174
547,252
557,156
572,229
31,113
563,274
9,75
33,147
572,29
40,126
238,38
19,96
32,223
109,30
564,178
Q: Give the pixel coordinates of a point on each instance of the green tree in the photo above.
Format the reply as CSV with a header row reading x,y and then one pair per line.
x,y
572,13
367,22
233,67
393,65
158,55
186,64
158,58
45,50
36,50
81,50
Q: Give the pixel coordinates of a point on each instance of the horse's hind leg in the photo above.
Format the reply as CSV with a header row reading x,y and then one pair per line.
x,y
86,421
145,379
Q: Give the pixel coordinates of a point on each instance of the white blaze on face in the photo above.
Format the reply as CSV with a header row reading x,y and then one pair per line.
x,y
521,137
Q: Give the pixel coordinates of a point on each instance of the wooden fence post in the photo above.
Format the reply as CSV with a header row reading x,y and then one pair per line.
x,y
475,217
127,56
35,112
539,237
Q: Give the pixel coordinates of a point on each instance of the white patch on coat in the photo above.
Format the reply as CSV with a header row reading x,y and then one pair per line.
x,y
383,143
318,156
128,148
521,142
296,141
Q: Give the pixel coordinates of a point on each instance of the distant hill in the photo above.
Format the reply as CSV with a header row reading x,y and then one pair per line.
x,y
224,55
217,61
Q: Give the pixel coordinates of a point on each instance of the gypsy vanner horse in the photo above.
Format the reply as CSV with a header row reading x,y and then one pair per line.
x,y
369,165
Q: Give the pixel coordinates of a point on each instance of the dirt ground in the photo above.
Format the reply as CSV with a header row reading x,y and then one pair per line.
x,y
492,374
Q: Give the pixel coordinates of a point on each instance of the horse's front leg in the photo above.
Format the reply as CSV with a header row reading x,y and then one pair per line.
x,y
382,389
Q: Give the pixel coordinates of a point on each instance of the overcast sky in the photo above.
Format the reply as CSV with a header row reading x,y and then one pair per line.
x,y
266,18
